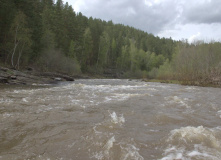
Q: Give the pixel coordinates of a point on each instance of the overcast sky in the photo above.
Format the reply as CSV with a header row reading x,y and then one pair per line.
x,y
179,19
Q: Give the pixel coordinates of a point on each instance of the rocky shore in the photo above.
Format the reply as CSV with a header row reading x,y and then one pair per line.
x,y
30,77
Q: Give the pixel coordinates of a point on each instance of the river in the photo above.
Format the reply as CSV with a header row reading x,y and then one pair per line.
x,y
110,120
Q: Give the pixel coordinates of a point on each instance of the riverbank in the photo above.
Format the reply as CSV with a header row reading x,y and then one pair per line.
x,y
30,76
216,84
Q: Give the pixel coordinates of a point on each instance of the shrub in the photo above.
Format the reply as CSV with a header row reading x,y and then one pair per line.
x,y
54,61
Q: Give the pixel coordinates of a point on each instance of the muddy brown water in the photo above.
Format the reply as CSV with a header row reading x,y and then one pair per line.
x,y
110,120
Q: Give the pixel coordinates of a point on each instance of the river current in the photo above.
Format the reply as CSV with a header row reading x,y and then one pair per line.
x,y
110,120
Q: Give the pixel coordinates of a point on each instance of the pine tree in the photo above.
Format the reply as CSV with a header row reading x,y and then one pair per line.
x,y
87,50
7,14
104,48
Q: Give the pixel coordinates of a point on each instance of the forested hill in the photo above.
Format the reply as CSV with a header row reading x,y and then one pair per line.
x,y
52,37
55,37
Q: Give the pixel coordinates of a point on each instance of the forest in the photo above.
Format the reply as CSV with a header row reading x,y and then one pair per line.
x,y
51,36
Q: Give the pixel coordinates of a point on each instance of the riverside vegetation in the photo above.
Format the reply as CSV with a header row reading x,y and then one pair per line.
x,y
52,37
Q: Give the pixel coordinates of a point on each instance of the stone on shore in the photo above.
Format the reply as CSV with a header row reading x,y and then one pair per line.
x,y
29,77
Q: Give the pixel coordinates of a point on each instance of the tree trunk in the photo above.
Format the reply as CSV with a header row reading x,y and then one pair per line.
x,y
14,50
20,53
98,56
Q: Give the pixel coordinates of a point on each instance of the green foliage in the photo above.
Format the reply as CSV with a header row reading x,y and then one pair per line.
x,y
86,55
7,14
153,73
197,62
124,60
71,52
91,42
165,71
104,48
62,40
21,41
48,40
55,60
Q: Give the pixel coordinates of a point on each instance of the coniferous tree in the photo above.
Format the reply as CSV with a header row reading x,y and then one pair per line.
x,y
87,50
34,29
104,48
7,13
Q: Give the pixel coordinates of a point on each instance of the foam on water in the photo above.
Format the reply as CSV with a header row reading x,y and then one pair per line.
x,y
194,135
193,142
130,151
178,100
219,113
126,150
44,108
7,115
117,119
199,152
111,119
104,153
92,95
6,101
24,100
79,94
191,88
105,149
108,146
109,130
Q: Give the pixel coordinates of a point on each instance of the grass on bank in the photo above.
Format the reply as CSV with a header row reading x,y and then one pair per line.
x,y
187,83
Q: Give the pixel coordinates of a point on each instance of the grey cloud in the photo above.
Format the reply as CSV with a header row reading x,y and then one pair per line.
x,y
135,13
205,12
176,18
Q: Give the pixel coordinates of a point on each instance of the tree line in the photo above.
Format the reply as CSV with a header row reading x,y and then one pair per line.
x,y
53,37
197,63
